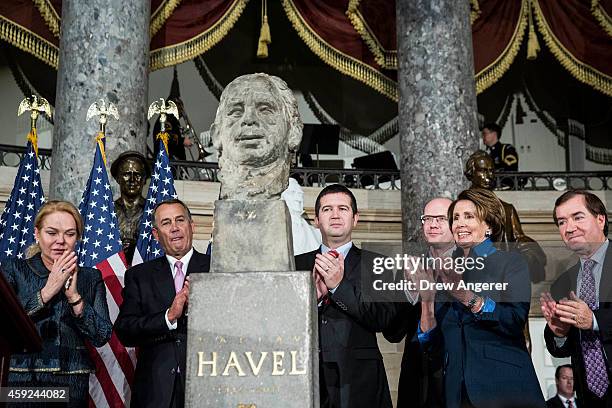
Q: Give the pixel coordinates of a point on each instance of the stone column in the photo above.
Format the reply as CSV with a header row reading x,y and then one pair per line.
x,y
437,106
104,53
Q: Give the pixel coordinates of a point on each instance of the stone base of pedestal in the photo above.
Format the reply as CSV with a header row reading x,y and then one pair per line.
x,y
252,341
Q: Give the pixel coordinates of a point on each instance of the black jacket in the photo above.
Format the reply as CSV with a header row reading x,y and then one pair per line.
x,y
148,293
571,348
352,373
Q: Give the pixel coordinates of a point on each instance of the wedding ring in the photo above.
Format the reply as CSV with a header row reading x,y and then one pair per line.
x,y
62,270
326,269
574,317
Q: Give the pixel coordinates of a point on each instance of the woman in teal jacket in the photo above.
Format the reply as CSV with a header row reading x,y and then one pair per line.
x,y
66,303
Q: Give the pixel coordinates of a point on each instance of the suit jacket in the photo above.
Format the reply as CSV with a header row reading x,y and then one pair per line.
x,y
353,373
571,348
421,383
421,378
555,402
63,334
148,293
487,352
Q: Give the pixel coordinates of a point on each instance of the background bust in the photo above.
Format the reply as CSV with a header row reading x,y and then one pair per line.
x,y
130,170
256,131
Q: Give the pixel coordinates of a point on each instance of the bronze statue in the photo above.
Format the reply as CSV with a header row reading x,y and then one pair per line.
x,y
480,170
131,172
257,130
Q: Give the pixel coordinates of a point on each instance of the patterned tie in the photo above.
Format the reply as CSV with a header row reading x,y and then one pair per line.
x,y
597,376
179,277
334,253
570,404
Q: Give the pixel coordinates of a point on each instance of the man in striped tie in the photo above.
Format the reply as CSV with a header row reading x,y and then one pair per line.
x,y
152,316
578,310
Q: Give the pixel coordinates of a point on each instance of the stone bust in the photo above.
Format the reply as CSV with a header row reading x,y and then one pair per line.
x,y
480,170
257,130
130,172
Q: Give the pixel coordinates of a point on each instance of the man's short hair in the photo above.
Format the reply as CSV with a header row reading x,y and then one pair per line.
x,y
558,370
170,201
493,127
335,188
592,203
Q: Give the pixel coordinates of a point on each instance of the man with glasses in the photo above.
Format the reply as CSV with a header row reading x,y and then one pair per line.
x,y
421,381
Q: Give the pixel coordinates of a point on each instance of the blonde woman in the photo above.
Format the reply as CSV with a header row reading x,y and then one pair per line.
x,y
66,303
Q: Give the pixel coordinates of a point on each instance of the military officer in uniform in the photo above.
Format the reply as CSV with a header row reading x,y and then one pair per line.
x,y
504,155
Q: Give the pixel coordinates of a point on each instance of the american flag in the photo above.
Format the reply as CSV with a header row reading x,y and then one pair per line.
x,y
101,248
17,221
160,189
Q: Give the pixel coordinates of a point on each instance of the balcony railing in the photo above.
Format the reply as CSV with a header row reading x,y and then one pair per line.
x,y
368,179
10,156
555,180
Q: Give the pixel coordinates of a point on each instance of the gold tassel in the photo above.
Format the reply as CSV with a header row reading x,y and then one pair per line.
x,y
100,141
533,46
33,137
262,49
264,33
164,136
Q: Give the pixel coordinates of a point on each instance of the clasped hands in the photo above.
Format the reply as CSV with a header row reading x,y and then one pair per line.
x,y
180,301
63,268
327,273
561,316
424,281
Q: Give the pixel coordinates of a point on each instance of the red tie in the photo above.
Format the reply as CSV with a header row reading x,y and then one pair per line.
x,y
569,404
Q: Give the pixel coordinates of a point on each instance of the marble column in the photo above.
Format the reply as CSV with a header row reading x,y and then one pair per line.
x,y
437,106
104,53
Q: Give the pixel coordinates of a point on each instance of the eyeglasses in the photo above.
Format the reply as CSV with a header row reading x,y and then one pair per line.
x,y
429,219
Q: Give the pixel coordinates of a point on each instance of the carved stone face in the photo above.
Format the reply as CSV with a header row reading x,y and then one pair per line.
x,y
131,177
253,126
484,170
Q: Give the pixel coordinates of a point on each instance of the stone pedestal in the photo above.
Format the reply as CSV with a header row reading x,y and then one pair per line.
x,y
253,236
437,107
104,53
252,337
252,341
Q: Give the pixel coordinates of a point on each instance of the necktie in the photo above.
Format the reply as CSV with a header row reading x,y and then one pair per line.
x,y
597,377
179,277
334,253
570,404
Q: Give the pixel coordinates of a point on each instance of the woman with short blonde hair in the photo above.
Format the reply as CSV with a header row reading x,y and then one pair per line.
x,y
66,303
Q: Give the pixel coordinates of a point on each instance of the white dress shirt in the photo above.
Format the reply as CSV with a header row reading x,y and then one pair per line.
x,y
171,260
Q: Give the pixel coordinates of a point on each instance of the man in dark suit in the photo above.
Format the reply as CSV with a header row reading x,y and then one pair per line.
x,y
564,380
152,316
352,373
578,309
421,379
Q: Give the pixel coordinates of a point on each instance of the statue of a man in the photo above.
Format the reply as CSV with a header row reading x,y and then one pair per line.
x,y
131,172
480,170
257,130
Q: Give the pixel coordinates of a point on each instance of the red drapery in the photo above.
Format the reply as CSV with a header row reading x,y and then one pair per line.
x,y
356,37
